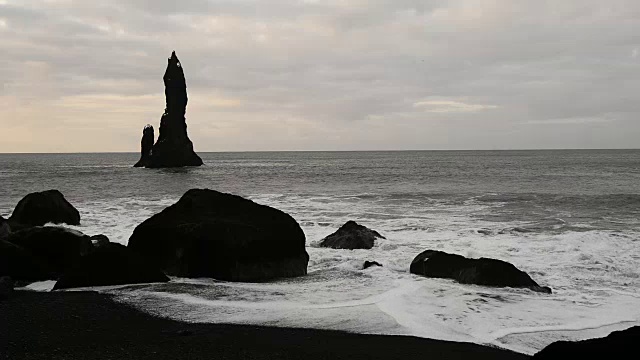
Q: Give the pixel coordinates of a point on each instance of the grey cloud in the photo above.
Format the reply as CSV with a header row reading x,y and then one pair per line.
x,y
341,66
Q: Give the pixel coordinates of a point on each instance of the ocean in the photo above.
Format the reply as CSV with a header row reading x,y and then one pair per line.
x,y
570,218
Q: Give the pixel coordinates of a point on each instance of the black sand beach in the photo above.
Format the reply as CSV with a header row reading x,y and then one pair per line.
x,y
87,325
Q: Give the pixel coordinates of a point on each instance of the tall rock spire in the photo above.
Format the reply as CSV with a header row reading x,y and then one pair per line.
x,y
173,148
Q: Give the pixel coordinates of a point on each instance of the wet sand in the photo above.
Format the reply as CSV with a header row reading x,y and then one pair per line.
x,y
88,325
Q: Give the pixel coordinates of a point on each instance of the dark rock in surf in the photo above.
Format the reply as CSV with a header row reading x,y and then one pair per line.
x,y
212,234
351,236
6,287
146,145
5,229
618,345
55,248
39,208
368,264
173,148
483,271
20,264
111,264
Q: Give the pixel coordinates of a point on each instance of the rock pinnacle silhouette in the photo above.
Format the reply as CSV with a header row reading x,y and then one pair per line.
x,y
173,147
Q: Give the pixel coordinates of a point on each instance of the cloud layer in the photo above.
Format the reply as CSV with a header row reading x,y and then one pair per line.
x,y
323,75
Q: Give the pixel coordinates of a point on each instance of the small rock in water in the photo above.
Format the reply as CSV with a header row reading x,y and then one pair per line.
x,y
368,264
483,271
351,236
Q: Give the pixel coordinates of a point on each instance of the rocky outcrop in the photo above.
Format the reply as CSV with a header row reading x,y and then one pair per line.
x,y
20,264
483,271
368,264
618,345
212,234
351,236
146,145
54,248
110,264
5,229
173,148
39,208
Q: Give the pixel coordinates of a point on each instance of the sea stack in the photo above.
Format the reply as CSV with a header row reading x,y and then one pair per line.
x,y
173,148
146,145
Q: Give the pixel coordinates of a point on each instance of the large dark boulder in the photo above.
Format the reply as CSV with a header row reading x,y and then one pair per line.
x,y
56,248
146,145
483,271
351,236
618,345
173,148
111,264
5,229
212,234
20,264
39,208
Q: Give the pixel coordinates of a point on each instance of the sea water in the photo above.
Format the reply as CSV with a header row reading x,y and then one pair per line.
x,y
571,219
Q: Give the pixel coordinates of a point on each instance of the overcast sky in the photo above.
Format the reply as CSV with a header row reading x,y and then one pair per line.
x,y
86,76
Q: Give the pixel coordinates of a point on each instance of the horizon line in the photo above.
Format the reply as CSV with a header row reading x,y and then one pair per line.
x,y
274,151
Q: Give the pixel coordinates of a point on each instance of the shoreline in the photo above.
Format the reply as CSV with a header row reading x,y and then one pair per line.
x,y
79,325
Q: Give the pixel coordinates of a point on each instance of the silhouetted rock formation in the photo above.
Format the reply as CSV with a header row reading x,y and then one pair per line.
x,y
618,345
368,264
19,263
351,236
39,208
483,271
110,264
5,229
212,234
55,248
146,145
173,148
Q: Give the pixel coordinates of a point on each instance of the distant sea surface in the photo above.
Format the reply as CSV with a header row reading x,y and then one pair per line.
x,y
571,219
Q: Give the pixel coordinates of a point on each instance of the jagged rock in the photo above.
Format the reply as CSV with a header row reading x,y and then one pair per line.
x,y
351,235
618,345
111,264
5,229
368,264
6,287
483,271
20,264
146,145
39,208
212,234
56,248
173,148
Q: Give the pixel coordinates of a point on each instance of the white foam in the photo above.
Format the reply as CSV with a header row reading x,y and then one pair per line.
x,y
594,275
43,286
